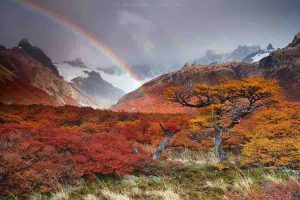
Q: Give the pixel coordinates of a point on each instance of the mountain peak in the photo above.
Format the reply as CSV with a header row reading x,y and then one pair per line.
x,y
38,55
270,47
24,42
296,41
94,75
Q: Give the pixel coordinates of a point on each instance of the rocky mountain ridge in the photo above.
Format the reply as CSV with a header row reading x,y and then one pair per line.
x,y
238,54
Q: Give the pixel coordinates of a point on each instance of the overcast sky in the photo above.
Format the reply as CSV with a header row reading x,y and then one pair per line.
x,y
151,33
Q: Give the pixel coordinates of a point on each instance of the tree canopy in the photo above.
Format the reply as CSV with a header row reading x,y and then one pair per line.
x,y
226,104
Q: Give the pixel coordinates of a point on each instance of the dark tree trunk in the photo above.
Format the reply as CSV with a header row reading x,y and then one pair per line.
x,y
162,146
220,154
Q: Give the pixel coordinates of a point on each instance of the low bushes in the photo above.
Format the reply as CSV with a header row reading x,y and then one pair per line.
x,y
38,159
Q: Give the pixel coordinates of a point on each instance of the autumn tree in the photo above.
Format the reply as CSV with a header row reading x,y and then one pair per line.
x,y
224,105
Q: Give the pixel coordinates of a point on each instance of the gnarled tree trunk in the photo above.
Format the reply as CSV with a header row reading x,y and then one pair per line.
x,y
164,144
220,154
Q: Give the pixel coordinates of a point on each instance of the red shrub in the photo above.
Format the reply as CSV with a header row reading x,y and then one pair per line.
x,y
135,130
38,159
41,146
287,191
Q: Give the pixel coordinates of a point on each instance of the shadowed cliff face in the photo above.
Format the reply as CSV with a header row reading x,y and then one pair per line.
x,y
283,65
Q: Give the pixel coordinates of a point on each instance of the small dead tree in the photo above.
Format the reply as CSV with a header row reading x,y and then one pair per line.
x,y
165,142
224,105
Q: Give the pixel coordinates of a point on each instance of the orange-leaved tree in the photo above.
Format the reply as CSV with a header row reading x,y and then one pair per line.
x,y
224,105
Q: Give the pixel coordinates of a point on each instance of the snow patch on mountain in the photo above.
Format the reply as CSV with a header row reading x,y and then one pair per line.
x,y
257,56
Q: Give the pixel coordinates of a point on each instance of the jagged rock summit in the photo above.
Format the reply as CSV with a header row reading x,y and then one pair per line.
x,y
37,54
296,41
270,47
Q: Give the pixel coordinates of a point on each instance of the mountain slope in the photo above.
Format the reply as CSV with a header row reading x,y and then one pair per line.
x,y
150,96
35,82
283,65
14,90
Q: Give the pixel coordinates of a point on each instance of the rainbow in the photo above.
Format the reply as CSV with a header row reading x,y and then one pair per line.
x,y
77,29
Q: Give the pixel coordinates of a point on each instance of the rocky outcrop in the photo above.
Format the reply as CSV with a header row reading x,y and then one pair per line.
x,y
270,47
296,41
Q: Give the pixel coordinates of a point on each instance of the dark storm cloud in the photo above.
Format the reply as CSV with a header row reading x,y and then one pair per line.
x,y
158,34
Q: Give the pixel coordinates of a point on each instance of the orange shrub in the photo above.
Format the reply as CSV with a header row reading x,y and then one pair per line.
x,y
276,138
